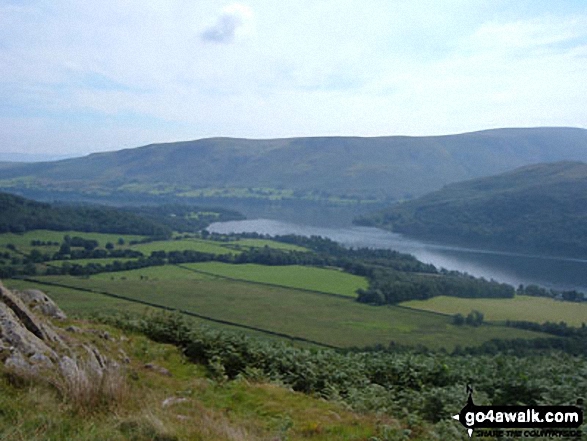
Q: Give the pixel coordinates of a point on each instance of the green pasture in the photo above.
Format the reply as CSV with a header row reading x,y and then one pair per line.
x,y
23,241
329,320
295,276
239,192
212,246
152,273
76,303
79,303
85,262
532,309
260,243
204,246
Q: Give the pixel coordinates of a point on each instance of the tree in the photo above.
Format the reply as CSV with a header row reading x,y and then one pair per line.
x,y
474,318
65,248
35,256
458,319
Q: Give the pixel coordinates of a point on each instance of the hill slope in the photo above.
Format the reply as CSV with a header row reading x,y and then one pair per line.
x,y
385,167
539,208
18,215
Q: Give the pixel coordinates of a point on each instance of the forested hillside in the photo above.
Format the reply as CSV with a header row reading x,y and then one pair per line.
x,y
539,208
18,215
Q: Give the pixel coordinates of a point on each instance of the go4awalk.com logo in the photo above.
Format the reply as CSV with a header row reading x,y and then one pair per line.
x,y
520,421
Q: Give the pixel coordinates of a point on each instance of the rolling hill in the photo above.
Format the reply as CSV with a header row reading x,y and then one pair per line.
x,y
382,168
539,208
18,215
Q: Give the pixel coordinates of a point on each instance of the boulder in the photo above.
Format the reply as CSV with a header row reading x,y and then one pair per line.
x,y
26,317
19,338
38,301
28,343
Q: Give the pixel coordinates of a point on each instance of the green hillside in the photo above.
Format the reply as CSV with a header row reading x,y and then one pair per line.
x,y
539,208
18,215
329,168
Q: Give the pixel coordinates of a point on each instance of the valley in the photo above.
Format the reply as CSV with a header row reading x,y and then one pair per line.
x,y
293,221
301,303
379,321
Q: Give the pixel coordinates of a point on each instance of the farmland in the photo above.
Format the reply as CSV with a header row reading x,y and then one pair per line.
x,y
213,247
203,246
532,309
317,317
330,281
315,304
23,241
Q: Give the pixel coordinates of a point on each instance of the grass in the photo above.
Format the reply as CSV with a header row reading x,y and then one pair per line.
x,y
330,281
325,319
23,241
83,304
197,407
204,246
532,309
78,303
260,243
84,262
211,246
239,192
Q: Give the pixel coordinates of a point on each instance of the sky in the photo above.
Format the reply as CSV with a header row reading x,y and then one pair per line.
x,y
79,76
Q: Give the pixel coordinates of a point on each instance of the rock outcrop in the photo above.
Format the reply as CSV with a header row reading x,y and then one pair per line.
x,y
27,340
31,344
39,302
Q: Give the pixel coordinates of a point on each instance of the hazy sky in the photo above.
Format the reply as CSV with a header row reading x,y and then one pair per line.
x,y
78,76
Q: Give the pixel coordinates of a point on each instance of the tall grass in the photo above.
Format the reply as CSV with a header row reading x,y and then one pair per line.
x,y
89,387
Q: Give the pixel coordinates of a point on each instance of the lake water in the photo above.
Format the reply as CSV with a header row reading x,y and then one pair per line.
x,y
513,268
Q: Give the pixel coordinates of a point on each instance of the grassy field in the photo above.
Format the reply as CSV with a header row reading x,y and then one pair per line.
x,y
211,246
301,277
105,261
532,309
79,303
204,246
23,241
325,319
83,304
260,243
284,300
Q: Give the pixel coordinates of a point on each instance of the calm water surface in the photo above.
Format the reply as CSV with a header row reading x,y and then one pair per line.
x,y
513,268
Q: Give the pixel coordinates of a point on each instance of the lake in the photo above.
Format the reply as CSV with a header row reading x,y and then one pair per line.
x,y
513,268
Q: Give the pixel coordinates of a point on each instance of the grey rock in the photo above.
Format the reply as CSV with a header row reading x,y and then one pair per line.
x,y
17,362
38,301
73,329
26,318
159,369
31,346
14,334
170,401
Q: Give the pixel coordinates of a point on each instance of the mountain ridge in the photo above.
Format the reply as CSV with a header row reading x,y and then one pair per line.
x,y
540,208
380,168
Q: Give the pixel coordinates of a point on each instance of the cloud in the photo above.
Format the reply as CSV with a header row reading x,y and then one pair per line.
x,y
234,19
530,34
